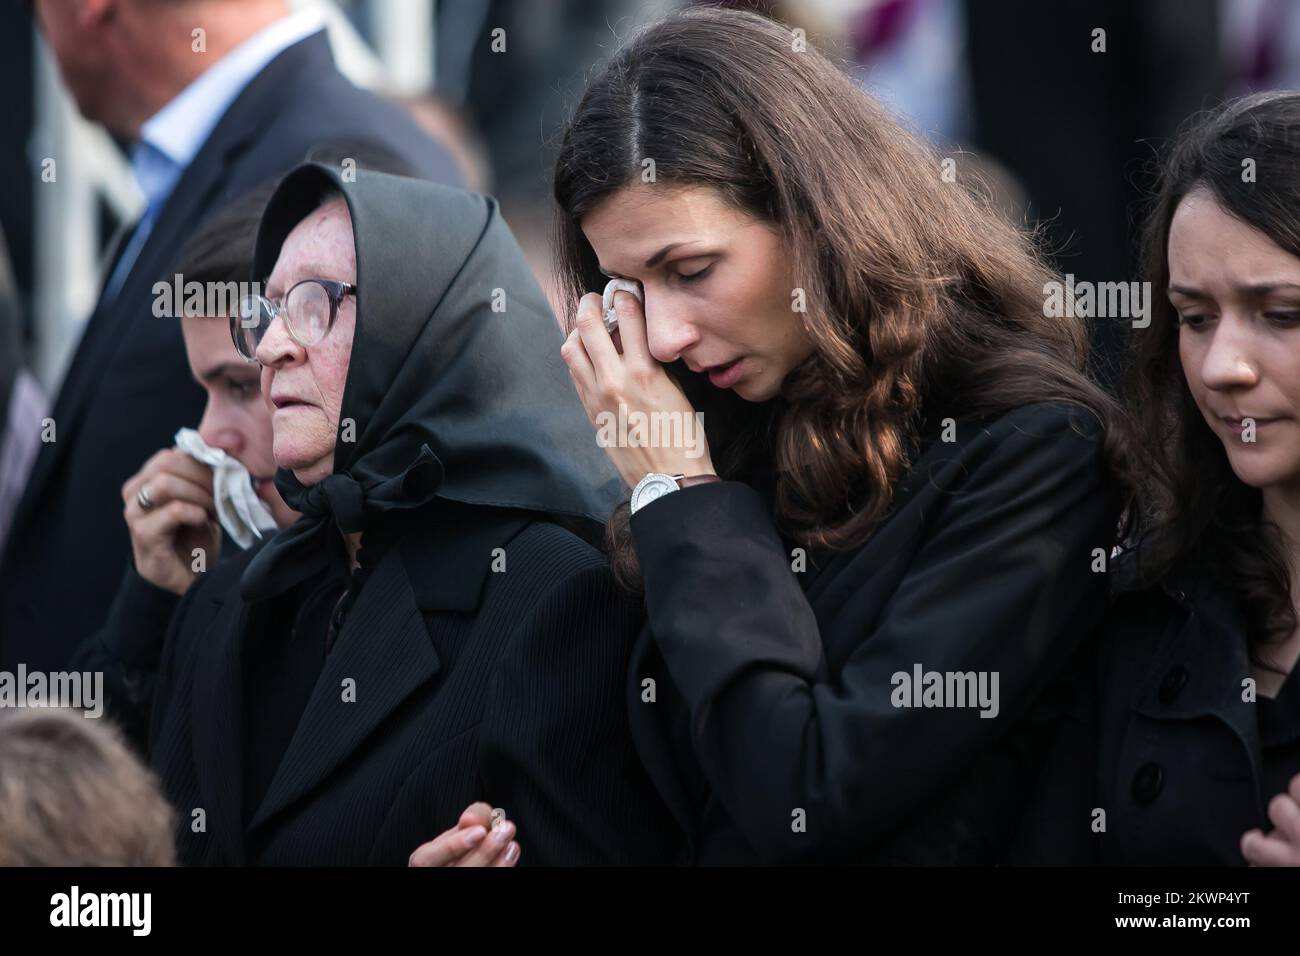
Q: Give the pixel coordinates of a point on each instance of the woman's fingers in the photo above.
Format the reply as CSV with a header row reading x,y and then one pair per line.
x,y
168,475
1281,847
156,535
132,485
621,386
1268,850
476,814
164,539
166,487
474,841
448,847
510,857
1285,815
590,327
598,368
164,520
575,357
176,462
631,329
489,849
170,461
163,530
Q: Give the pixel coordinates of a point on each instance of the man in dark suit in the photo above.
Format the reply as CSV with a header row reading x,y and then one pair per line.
x,y
217,96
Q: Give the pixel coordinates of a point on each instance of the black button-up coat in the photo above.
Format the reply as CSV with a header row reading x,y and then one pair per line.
x,y
1160,761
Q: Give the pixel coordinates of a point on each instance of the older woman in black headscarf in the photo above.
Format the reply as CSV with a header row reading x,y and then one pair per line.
x,y
432,634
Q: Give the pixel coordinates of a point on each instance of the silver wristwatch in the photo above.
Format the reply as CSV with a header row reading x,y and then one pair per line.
x,y
656,485
652,486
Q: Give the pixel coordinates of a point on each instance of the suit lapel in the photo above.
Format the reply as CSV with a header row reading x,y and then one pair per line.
x,y
111,325
385,650
218,726
116,246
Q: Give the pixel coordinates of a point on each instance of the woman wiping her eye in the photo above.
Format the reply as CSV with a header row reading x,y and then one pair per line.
x,y
862,590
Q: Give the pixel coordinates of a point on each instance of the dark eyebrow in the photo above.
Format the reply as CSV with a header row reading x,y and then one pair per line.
x,y
1264,288
228,369
659,256
652,261
1259,288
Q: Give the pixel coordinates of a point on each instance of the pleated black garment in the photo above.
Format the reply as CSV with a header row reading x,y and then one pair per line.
x,y
470,685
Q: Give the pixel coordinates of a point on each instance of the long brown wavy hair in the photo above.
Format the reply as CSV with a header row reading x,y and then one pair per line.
x,y
921,298
1190,503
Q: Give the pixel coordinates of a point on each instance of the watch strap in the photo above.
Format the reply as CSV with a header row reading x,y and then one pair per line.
x,y
696,480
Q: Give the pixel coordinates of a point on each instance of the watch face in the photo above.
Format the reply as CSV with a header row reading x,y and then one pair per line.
x,y
650,488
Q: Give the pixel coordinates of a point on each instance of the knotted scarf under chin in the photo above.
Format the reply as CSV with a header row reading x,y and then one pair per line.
x,y
341,503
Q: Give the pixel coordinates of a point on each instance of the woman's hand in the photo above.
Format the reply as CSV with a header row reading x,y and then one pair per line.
x,y
181,517
630,399
476,840
1281,846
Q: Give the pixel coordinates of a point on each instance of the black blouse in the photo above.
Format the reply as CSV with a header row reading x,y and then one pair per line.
x,y
284,658
283,661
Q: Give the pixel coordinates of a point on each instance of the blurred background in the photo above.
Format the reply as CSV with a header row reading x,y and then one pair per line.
x,y
1063,133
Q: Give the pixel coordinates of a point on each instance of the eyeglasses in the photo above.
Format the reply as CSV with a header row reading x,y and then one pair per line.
x,y
308,309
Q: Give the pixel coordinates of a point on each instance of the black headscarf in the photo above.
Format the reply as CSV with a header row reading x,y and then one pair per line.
x,y
450,398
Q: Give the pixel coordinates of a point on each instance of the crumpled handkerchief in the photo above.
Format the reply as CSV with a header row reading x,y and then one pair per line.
x,y
607,300
242,514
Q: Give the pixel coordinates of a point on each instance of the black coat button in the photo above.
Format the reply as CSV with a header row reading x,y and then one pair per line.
x,y
1173,684
1147,782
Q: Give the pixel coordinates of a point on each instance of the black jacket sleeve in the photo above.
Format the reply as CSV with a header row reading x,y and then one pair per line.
x,y
126,650
999,576
1062,823
557,753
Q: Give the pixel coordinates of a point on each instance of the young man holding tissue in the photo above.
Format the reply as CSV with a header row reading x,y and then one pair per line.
x,y
177,504
225,471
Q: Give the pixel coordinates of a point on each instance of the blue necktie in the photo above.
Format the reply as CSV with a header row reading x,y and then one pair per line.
x,y
157,174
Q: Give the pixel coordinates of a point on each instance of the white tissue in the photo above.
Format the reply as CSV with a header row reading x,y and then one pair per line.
x,y
244,515
612,286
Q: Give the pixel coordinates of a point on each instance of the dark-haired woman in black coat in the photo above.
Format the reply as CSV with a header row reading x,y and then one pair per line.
x,y
872,492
